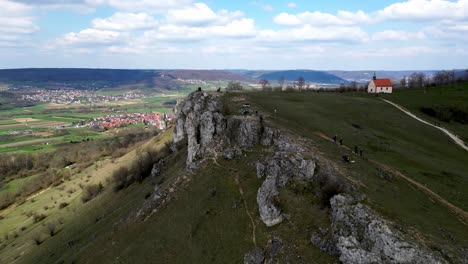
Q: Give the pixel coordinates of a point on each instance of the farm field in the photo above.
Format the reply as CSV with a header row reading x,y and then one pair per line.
x,y
41,127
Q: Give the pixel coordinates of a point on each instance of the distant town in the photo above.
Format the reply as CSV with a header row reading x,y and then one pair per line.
x,y
74,97
122,120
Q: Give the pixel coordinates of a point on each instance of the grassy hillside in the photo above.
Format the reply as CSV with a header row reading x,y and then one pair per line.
x,y
388,137
207,218
442,101
309,76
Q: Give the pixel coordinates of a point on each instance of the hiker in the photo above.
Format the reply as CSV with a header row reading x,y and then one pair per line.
x,y
346,158
341,142
334,139
360,152
356,149
199,89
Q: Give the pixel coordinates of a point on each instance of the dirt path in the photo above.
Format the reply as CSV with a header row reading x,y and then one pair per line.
x,y
461,214
241,191
454,137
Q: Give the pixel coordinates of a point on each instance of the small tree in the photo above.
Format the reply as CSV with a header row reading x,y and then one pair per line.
x,y
281,81
300,83
264,83
234,86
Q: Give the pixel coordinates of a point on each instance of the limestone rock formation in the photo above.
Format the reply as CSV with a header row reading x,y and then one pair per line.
x,y
199,122
280,170
361,236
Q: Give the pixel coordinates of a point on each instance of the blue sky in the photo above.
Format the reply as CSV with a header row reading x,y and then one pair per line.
x,y
214,34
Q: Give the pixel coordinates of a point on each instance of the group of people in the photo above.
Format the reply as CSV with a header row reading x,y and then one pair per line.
x,y
357,150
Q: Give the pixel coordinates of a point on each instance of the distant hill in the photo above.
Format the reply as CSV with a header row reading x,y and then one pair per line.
x,y
309,76
108,78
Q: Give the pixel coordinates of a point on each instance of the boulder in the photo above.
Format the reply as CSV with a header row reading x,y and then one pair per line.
x,y
232,153
256,256
363,237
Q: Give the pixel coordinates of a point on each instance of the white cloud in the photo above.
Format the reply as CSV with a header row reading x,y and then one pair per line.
x,y
125,22
198,14
292,5
425,10
310,33
287,19
16,22
91,36
398,35
150,6
343,18
411,10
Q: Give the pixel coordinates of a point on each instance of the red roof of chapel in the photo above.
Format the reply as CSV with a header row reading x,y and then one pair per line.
x,y
382,82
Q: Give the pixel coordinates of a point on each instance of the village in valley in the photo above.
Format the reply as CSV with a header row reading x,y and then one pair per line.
x,y
158,120
72,96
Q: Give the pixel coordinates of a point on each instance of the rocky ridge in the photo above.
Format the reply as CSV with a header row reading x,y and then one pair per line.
x,y
357,234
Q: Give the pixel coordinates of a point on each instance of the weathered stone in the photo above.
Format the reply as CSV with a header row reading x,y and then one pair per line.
x,y
232,153
255,256
267,200
364,237
157,169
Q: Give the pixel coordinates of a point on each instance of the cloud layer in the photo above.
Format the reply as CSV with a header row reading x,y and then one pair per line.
x,y
187,28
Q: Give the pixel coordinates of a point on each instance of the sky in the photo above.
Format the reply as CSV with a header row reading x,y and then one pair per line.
x,y
235,34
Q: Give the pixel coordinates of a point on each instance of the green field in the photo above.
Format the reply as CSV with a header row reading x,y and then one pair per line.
x,y
43,115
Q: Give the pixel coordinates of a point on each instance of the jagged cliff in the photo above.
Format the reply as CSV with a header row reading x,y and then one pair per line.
x,y
357,234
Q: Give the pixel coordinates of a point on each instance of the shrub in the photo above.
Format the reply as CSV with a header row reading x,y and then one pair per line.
x,y
52,229
38,217
91,191
119,177
36,237
63,205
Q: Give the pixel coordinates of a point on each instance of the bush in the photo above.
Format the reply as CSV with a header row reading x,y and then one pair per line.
x,y
52,229
36,237
91,191
38,217
119,177
63,205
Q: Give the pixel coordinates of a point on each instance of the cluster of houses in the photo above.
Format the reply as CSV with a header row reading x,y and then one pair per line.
x,y
122,120
74,97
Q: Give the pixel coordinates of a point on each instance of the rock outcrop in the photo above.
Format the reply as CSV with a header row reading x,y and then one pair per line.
x,y
361,236
199,123
280,170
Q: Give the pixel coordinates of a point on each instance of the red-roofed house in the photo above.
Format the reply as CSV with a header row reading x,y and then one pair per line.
x,y
380,86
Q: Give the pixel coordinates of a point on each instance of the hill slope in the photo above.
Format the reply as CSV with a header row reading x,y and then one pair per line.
x,y
260,189
309,76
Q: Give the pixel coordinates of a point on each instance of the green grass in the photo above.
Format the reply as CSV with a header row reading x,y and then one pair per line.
x,y
455,95
388,136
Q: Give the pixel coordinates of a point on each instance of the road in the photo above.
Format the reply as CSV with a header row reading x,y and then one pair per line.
x,y
454,137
